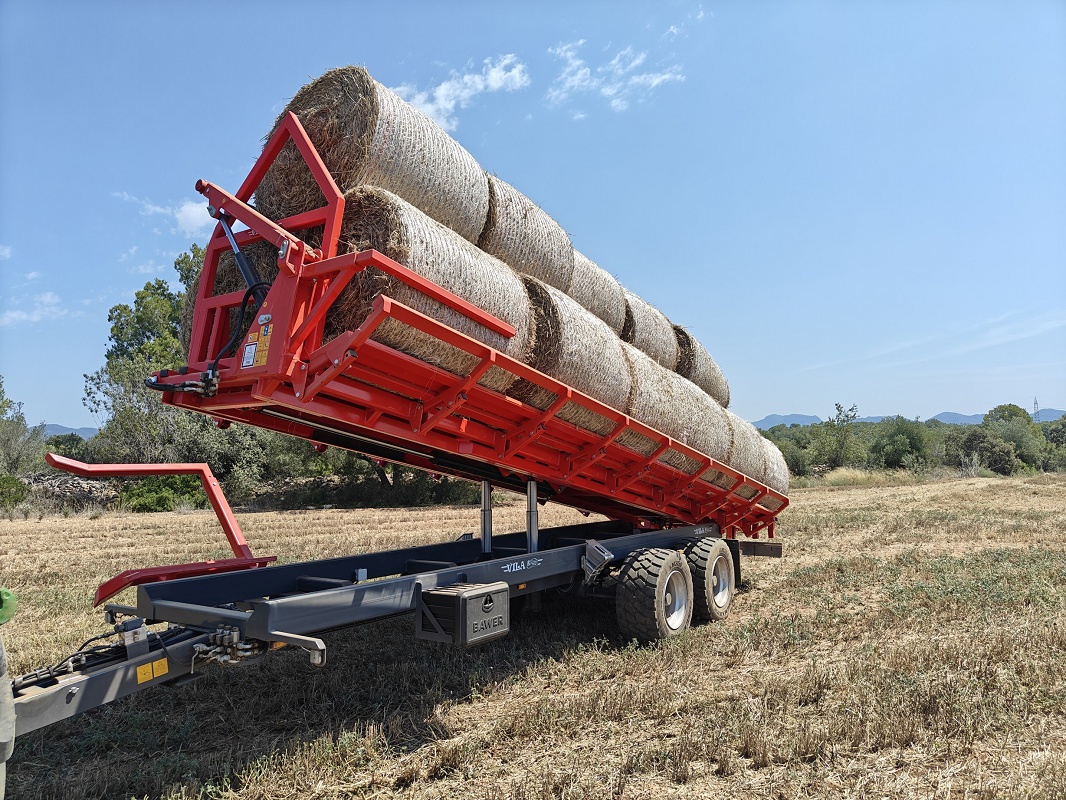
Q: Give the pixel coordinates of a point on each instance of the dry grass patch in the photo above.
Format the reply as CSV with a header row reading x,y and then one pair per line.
x,y
912,643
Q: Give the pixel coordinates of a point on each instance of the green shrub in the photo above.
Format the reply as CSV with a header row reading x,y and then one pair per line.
x,y
163,493
12,491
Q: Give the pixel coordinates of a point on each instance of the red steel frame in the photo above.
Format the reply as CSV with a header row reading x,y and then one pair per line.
x,y
354,389
243,558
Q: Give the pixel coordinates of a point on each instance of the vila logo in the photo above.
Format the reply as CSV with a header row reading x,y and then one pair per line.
x,y
518,566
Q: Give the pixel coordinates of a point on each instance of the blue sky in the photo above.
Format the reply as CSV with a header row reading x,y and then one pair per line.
x,y
846,202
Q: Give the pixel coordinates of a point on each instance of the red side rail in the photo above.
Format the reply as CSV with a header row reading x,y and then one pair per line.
x,y
242,552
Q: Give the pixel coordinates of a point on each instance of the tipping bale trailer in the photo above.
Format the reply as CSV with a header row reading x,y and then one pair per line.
x,y
678,521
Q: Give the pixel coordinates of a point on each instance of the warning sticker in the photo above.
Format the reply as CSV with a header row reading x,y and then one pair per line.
x,y
248,357
260,358
153,669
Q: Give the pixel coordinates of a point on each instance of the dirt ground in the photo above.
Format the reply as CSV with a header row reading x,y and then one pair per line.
x,y
911,643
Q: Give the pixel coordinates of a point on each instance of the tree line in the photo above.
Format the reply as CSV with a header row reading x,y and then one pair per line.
x,y
1006,442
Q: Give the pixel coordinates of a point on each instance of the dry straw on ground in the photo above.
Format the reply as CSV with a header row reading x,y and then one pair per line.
x,y
577,348
520,233
696,364
377,219
911,643
648,330
366,134
599,291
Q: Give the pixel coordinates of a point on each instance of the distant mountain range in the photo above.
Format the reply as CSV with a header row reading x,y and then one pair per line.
x,y
58,430
950,417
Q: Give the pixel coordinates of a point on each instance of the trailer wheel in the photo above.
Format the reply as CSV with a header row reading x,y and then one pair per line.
x,y
713,581
654,594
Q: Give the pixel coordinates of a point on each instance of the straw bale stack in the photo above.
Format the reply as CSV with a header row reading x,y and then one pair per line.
x,y
648,330
520,233
375,218
597,290
577,348
366,134
696,364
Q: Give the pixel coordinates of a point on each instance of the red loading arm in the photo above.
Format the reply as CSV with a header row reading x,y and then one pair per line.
x,y
244,558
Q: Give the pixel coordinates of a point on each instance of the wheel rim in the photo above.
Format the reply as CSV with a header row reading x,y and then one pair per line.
x,y
720,588
675,602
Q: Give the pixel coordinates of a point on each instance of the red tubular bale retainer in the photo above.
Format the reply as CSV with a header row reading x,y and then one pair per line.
x,y
243,554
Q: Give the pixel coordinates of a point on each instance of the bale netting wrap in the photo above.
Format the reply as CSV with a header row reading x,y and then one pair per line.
x,y
747,455
597,290
696,364
648,330
776,473
366,134
522,235
377,219
675,406
577,348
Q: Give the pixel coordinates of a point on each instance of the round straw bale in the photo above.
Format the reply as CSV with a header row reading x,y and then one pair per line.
x,y
696,364
599,291
677,407
187,308
377,219
776,468
651,332
577,348
521,234
366,134
747,455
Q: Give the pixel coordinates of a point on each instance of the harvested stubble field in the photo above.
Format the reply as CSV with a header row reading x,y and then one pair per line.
x,y
912,643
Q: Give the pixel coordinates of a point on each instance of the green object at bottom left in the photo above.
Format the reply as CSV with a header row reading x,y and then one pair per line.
x,y
8,605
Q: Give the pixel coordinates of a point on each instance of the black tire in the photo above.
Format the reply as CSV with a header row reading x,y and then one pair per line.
x,y
7,717
713,581
654,595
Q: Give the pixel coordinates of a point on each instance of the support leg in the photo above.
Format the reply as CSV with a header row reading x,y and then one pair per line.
x,y
532,535
486,518
532,543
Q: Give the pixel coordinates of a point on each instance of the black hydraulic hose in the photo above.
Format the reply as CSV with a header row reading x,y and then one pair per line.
x,y
248,272
199,387
237,330
94,657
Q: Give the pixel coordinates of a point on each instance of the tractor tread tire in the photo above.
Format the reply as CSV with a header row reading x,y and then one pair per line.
x,y
701,555
638,602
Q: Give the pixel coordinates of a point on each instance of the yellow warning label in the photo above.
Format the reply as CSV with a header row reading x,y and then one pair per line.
x,y
160,667
264,344
144,673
